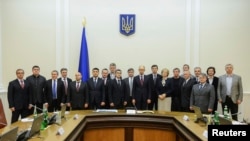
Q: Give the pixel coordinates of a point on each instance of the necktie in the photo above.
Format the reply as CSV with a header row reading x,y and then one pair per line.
x,y
155,78
130,85
95,81
141,80
119,82
200,86
185,82
54,89
197,79
104,81
65,85
22,84
77,86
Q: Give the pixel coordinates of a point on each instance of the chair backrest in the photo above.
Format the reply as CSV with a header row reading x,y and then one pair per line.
x,y
3,121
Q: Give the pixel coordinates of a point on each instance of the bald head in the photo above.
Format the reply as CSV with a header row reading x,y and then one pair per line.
x,y
186,74
141,69
78,76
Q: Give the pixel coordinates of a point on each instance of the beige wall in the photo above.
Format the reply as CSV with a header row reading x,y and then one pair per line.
x,y
168,33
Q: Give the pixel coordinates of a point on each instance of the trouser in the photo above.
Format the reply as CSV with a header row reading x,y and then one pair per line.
x,y
54,106
232,107
15,114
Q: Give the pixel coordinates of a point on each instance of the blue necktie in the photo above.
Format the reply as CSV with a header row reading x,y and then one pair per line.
x,y
54,89
200,86
119,83
95,79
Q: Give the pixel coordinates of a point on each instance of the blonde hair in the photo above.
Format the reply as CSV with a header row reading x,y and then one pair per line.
x,y
165,70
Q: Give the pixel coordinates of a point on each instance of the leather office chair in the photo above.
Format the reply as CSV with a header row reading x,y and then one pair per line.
x,y
3,121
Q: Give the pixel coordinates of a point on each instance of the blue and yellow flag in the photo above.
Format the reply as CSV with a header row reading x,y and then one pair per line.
x,y
84,57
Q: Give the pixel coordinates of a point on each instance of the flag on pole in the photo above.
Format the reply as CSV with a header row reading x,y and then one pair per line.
x,y
84,57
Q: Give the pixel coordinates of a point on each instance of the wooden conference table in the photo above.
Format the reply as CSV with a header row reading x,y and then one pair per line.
x,y
92,126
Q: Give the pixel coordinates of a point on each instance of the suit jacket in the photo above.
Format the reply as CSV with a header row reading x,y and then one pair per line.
x,y
109,77
17,97
154,85
66,91
117,94
77,99
186,90
38,87
236,89
139,90
166,88
68,82
126,80
195,80
203,98
97,93
106,87
177,89
215,84
49,92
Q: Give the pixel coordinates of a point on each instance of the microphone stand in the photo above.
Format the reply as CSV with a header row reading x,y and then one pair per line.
x,y
37,107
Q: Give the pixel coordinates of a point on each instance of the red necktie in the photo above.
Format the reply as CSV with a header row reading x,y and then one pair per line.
x,y
22,84
77,86
141,80
65,85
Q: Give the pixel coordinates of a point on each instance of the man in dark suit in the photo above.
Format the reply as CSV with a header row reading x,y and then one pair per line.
x,y
96,90
54,93
118,95
141,90
112,68
177,82
19,96
153,78
106,82
186,91
203,95
230,91
78,97
129,85
66,81
37,83
213,80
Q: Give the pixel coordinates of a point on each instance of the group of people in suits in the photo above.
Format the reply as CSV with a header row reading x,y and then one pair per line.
x,y
112,91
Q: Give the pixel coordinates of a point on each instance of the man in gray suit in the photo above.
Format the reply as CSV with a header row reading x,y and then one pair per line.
x,y
230,91
203,95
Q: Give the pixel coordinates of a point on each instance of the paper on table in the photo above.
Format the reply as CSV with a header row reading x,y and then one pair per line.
x,y
205,133
27,120
238,123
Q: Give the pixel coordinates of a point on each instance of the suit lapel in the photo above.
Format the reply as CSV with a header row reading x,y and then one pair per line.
x,y
92,82
203,89
74,85
17,81
233,80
